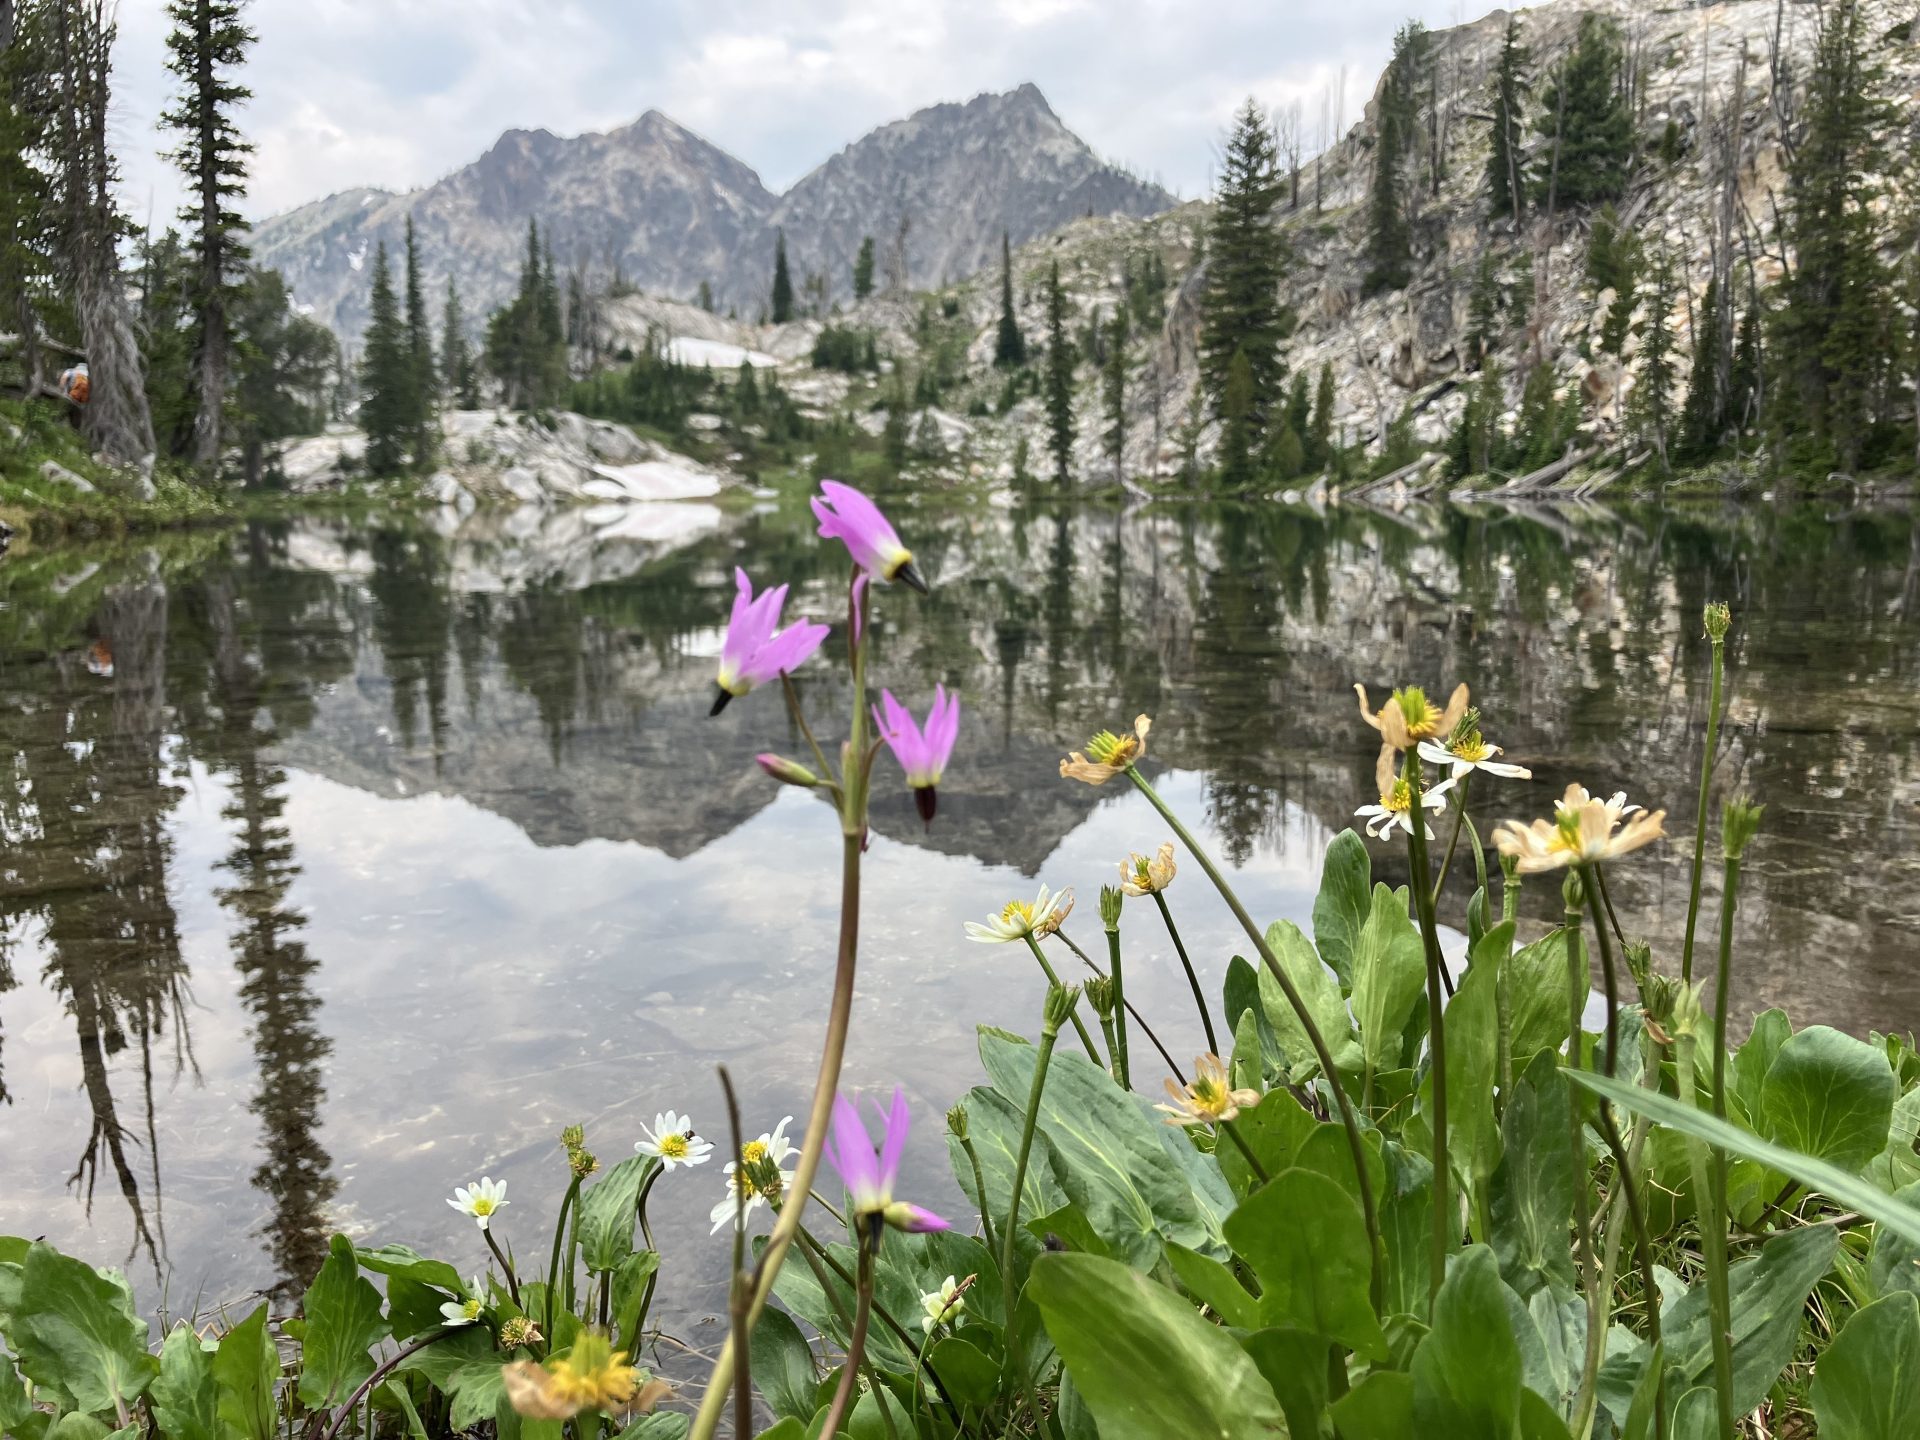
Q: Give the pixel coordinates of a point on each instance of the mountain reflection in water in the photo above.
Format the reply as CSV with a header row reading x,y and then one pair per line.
x,y
358,860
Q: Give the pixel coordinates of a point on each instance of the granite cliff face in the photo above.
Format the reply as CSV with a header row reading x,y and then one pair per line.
x,y
671,210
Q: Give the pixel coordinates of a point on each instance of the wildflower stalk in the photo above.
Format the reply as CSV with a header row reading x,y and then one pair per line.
x,y
857,1344
1445,1222
1453,840
1126,1005
553,1264
1502,995
506,1265
1356,1146
1713,1242
1060,1003
800,719
737,1280
380,1373
1627,1207
853,824
980,1189
1053,980
1122,1072
1716,621
1578,980
1193,979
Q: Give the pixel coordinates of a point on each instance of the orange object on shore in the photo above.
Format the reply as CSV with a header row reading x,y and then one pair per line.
x,y
76,384
100,658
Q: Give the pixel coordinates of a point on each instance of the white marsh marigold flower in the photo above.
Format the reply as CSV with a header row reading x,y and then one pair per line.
x,y
482,1201
1210,1099
1107,754
1584,829
1038,918
672,1142
1141,876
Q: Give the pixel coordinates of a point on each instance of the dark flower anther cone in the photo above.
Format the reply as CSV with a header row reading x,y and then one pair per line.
x,y
720,700
911,577
925,798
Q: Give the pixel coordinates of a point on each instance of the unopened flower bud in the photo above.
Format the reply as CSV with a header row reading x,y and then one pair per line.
x,y
1639,957
788,772
1110,902
573,1137
519,1331
1689,1015
1717,617
1100,996
1737,826
1510,868
957,1122
1060,1002
1573,894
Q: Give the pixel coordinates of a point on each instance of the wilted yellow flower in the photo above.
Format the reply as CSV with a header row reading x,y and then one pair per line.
x,y
1038,917
1210,1099
1584,829
519,1331
1107,754
591,1376
1141,876
1409,717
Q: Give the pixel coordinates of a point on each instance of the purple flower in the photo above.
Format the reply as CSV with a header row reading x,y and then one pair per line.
x,y
923,754
846,514
869,1176
756,649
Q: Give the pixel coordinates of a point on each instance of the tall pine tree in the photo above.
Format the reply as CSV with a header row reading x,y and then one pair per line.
x,y
782,282
423,425
1009,345
1113,391
458,379
863,269
1506,125
1059,383
1241,313
207,44
1585,124
386,384
1389,225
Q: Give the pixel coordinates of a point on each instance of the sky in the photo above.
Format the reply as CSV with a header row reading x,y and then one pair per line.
x,y
351,93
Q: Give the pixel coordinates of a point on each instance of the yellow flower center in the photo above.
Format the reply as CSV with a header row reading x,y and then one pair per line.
x,y
1423,721
673,1147
1117,751
1018,912
1399,799
471,1309
752,1153
1470,747
589,1381
485,1205
1209,1095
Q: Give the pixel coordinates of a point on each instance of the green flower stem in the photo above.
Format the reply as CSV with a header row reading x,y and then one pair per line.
x,y
1473,838
1627,1207
1079,1025
1717,1295
1130,1008
1049,1034
366,1388
1113,1045
1502,994
1193,980
506,1265
553,1264
1356,1146
1577,983
1125,1072
1713,1245
853,824
1453,840
800,719
980,1189
857,1346
1446,1224
1700,821
1590,882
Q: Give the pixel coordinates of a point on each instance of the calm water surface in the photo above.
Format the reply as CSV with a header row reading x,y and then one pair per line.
x,y
345,864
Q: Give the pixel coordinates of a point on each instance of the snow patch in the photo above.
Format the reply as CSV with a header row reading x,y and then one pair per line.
x,y
651,480
688,350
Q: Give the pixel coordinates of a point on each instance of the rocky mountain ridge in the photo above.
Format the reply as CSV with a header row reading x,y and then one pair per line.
x,y
669,210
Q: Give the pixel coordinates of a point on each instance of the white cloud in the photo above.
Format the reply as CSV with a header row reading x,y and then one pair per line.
x,y
350,93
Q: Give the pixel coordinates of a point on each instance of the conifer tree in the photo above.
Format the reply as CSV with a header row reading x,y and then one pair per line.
x,y
1485,309
25,193
1237,427
1703,416
1241,312
1059,382
1320,435
1507,195
1298,416
386,384
207,43
782,304
283,369
1584,121
1832,331
1389,227
1651,404
703,297
1113,390
458,378
863,269
1744,379
1009,345
423,426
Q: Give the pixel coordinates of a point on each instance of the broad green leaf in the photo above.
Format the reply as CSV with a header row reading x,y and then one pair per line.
x,y
1472,1032
1830,1096
1319,992
993,1127
76,1333
1551,1336
1306,1240
245,1368
968,1374
1406,1231
447,1356
77,1425
1214,1285
1537,1001
664,1425
392,1393
607,1214
1697,1415
479,1392
1639,1424
1767,1292
629,1290
1866,1385
1898,1165
1075,1422
783,1367
393,1260
1294,1363
413,1308
1380,1407
1274,1130
15,1407
1240,992
1466,1372
1067,1229
184,1395
1112,1164
343,1325
1849,1191
1389,974
1147,1366
1539,1420
1532,1194
1893,1265
788,1429
1340,909
1754,1058
867,1423
1213,1197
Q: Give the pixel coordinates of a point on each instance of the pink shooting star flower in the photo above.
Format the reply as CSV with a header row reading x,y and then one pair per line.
x,y
845,514
756,650
923,754
869,1176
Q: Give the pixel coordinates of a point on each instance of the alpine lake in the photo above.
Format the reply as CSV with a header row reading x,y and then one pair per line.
x,y
346,863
